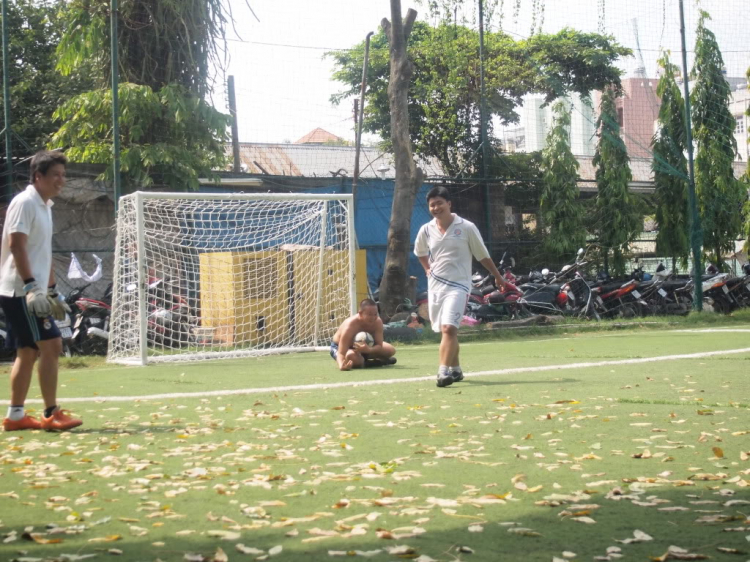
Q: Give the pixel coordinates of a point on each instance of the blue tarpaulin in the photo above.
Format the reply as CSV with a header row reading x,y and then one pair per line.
x,y
372,218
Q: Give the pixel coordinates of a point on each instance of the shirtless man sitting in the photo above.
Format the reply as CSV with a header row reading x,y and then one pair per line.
x,y
350,355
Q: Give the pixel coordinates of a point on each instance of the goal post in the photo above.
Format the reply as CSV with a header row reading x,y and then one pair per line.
x,y
203,276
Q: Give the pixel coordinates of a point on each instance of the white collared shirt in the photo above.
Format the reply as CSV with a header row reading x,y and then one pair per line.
x,y
450,253
30,215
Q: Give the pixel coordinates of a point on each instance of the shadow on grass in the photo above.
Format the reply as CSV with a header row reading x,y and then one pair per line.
x,y
485,382
128,430
521,530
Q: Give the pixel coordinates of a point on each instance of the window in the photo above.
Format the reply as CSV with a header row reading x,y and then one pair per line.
x,y
620,116
740,127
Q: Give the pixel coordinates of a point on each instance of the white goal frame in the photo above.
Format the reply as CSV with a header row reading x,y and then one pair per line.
x,y
129,334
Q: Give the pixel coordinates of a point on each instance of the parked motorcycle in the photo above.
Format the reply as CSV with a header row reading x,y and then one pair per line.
x,y
553,293
91,328
169,322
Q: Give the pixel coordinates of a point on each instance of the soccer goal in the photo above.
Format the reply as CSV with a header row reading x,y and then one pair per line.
x,y
213,276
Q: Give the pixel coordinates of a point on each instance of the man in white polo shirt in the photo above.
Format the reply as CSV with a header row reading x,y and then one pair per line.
x,y
28,296
444,247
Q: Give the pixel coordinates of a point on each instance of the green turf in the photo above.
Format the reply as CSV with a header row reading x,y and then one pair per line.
x,y
438,469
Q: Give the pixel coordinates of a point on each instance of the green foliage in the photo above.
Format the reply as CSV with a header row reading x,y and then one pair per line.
x,y
746,180
720,195
159,43
168,137
444,94
524,190
560,207
618,212
36,89
670,169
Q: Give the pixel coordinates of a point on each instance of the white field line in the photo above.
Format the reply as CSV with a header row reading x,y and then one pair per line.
x,y
431,378
715,330
470,344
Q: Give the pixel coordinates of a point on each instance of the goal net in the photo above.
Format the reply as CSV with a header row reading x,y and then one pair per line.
x,y
204,276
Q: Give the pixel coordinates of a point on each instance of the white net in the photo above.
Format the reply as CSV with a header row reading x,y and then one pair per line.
x,y
218,276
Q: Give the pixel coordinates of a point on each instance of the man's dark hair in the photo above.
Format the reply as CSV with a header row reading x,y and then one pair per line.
x,y
43,160
439,191
366,302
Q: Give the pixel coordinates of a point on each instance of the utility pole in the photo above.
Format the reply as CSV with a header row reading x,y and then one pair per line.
x,y
696,236
236,168
6,106
483,126
115,104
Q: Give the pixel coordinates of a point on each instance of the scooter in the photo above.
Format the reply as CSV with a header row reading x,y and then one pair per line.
x,y
549,292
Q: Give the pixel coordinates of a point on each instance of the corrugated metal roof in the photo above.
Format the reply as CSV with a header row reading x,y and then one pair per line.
x,y
640,168
338,161
319,161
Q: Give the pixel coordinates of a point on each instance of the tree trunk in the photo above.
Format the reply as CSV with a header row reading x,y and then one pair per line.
x,y
408,176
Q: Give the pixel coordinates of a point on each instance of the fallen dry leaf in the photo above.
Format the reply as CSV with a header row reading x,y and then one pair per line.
x,y
108,538
248,550
224,535
39,538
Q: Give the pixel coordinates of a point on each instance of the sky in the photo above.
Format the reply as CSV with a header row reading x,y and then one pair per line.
x,y
282,80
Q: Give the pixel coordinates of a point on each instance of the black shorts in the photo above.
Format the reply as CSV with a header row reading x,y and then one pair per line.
x,y
25,328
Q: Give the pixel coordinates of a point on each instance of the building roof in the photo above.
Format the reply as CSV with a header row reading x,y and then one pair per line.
x,y
318,136
301,160
305,160
640,168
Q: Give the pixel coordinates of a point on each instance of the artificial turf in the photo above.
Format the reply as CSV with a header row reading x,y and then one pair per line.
x,y
526,465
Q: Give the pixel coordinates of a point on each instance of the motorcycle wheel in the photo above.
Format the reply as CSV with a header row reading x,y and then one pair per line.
x,y
521,312
722,306
93,346
592,313
628,311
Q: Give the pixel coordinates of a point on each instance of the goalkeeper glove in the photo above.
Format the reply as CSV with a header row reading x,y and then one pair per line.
x,y
57,305
36,300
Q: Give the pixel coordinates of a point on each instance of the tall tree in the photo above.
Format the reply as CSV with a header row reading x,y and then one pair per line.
x,y
720,195
618,213
408,175
36,88
170,135
670,169
560,206
444,94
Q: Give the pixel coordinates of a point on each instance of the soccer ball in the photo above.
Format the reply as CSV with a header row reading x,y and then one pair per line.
x,y
365,338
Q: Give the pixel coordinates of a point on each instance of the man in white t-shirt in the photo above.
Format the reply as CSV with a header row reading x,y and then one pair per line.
x,y
28,295
445,246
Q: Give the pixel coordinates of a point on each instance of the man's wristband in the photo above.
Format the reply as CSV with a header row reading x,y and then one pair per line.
x,y
28,281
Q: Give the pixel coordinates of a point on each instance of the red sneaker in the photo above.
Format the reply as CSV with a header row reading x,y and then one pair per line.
x,y
26,422
59,421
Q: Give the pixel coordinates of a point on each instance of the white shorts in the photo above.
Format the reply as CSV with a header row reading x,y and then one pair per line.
x,y
447,308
